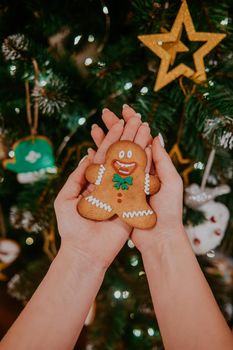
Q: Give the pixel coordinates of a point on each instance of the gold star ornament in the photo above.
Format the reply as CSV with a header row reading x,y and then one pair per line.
x,y
167,45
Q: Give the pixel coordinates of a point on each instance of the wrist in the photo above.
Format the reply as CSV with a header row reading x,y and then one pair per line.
x,y
76,257
162,242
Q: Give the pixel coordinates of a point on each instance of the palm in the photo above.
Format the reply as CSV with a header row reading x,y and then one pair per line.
x,y
97,240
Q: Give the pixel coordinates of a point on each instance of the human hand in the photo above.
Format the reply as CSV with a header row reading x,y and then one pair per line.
x,y
167,203
99,242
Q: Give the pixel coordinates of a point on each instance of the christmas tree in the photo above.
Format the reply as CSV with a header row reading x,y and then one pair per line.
x,y
61,64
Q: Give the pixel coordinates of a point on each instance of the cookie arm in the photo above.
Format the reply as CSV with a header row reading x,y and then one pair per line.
x,y
92,173
154,184
151,184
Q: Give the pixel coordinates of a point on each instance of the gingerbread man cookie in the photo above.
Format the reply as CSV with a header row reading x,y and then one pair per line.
x,y
121,186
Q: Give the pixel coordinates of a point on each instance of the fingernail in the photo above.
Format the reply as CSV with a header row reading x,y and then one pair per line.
x,y
105,110
122,121
94,126
83,159
161,140
145,123
138,115
89,150
125,105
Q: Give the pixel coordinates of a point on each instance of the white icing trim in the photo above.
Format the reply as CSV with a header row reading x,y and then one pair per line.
x,y
138,213
94,201
100,174
147,184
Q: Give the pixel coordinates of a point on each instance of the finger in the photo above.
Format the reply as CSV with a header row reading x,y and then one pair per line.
x,y
97,134
163,164
143,136
112,136
131,129
109,118
75,181
149,159
128,112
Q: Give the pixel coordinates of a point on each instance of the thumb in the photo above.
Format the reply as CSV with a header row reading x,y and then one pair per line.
x,y
76,180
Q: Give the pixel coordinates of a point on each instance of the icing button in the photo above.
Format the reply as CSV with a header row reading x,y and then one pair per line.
x,y
119,200
119,194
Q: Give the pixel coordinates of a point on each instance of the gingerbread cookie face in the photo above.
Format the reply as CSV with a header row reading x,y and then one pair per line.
x,y
125,157
121,187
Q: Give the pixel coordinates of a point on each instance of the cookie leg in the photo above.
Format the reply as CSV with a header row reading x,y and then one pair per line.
x,y
142,219
92,208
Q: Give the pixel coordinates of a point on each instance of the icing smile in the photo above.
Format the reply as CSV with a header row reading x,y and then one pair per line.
x,y
124,168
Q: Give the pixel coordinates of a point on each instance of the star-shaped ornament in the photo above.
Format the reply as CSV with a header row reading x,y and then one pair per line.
x,y
178,159
161,45
173,47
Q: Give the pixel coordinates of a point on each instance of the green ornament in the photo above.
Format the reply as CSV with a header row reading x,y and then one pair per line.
x,y
122,183
32,155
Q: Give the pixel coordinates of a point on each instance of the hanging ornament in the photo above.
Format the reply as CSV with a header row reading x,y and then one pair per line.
x,y
178,159
52,94
33,158
9,251
209,234
15,47
160,44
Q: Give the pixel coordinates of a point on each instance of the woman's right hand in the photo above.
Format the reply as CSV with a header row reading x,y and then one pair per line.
x,y
167,203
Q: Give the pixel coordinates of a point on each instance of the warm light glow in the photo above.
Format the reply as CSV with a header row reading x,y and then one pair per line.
x,y
128,85
82,121
77,39
29,240
88,61
105,10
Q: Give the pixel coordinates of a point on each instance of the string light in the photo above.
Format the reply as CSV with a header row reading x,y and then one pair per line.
x,y
121,294
141,273
199,165
125,294
137,332
82,121
224,22
12,69
130,244
77,39
134,261
206,94
101,64
144,90
128,85
105,10
91,38
211,254
43,83
88,61
151,332
11,154
29,240
117,294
